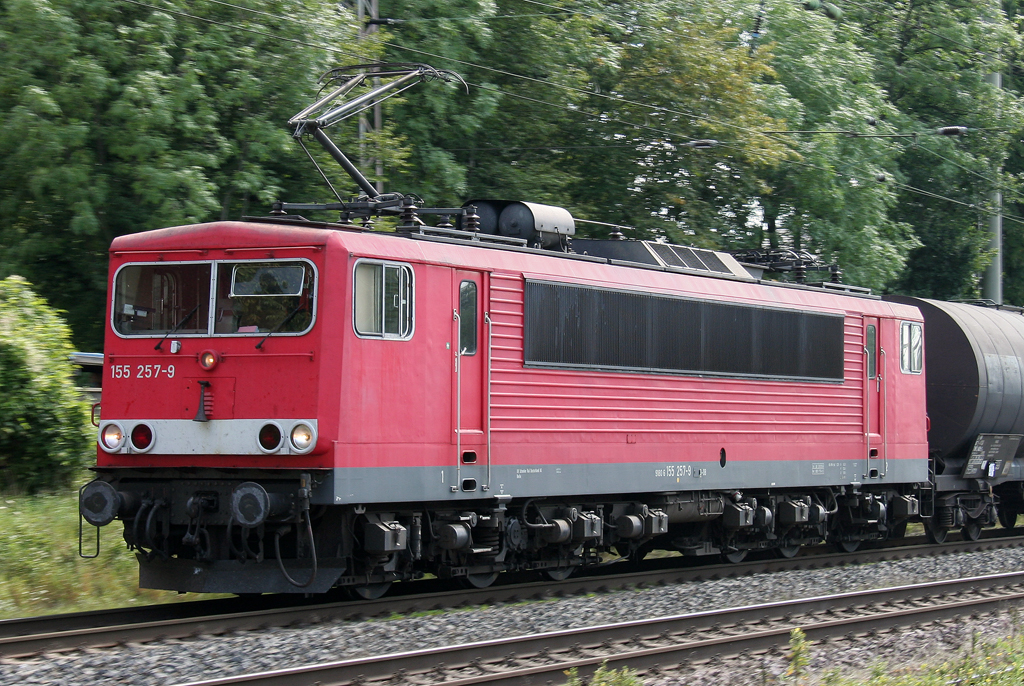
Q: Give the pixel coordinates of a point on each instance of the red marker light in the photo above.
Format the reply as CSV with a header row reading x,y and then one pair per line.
x,y
270,437
142,437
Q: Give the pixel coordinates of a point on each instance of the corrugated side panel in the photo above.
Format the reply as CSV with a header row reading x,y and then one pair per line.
x,y
532,405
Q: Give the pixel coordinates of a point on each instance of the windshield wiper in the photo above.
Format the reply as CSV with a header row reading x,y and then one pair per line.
x,y
177,326
282,323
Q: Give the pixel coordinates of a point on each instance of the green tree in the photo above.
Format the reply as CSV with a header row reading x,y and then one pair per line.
x,y
117,117
45,437
588,106
932,59
827,198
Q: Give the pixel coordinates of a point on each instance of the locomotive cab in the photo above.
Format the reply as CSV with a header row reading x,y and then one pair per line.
x,y
211,445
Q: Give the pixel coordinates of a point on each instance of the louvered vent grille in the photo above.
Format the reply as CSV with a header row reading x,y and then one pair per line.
x,y
651,252
667,254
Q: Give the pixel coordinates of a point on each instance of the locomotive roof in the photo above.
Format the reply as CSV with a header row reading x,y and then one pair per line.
x,y
224,234
271,232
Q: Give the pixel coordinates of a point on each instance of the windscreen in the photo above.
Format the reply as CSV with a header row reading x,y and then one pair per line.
x,y
251,298
157,298
260,297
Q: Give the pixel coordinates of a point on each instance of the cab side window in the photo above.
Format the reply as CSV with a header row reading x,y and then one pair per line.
x,y
467,318
911,348
871,344
382,301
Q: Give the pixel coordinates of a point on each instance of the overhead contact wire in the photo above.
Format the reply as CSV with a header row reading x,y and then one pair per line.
x,y
511,74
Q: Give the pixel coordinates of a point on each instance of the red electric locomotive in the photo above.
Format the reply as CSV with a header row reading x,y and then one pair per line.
x,y
292,406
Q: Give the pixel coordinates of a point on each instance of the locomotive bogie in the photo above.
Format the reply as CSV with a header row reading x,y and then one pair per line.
x,y
240,534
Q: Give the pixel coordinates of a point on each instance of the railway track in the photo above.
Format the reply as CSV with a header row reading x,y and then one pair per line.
x,y
650,645
31,636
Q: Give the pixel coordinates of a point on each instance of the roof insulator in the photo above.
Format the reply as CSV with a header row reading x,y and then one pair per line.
x,y
951,130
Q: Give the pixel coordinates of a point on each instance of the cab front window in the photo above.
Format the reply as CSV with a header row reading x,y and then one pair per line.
x,y
260,297
151,299
234,298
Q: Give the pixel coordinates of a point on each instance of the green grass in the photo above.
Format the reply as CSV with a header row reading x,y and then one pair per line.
x,y
41,572
978,663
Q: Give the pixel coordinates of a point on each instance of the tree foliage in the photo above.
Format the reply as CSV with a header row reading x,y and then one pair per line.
x,y
45,437
120,116
592,105
124,115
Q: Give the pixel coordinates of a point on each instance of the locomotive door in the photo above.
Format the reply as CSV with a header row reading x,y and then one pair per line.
x,y
470,365
874,415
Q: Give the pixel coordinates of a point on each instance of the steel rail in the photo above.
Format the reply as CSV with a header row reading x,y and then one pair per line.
x,y
662,642
34,635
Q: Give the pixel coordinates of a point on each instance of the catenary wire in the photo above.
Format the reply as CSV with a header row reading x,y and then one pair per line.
x,y
514,95
259,33
404,21
418,20
656,108
597,117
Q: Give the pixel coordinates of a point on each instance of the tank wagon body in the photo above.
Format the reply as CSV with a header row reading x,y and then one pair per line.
x,y
975,401
446,406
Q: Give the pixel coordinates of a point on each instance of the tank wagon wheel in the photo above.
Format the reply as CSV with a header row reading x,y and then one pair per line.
x,y
560,574
935,534
788,551
847,546
736,556
1008,518
482,580
371,591
971,530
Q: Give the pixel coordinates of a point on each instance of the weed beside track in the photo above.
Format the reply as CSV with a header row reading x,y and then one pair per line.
x,y
41,572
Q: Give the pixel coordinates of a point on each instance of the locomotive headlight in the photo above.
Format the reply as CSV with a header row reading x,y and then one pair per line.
x,y
302,438
208,359
141,437
111,437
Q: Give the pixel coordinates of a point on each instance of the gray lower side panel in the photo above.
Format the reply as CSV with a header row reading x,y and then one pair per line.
x,y
417,484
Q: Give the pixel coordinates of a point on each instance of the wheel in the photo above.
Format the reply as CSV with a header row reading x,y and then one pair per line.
x,y
971,530
482,580
560,574
847,546
788,551
1008,518
371,591
935,534
735,556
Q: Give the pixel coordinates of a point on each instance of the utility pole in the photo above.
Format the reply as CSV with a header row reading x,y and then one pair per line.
x,y
992,279
369,10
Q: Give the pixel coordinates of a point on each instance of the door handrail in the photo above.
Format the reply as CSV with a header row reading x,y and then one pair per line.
x,y
883,425
867,414
458,401
490,334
